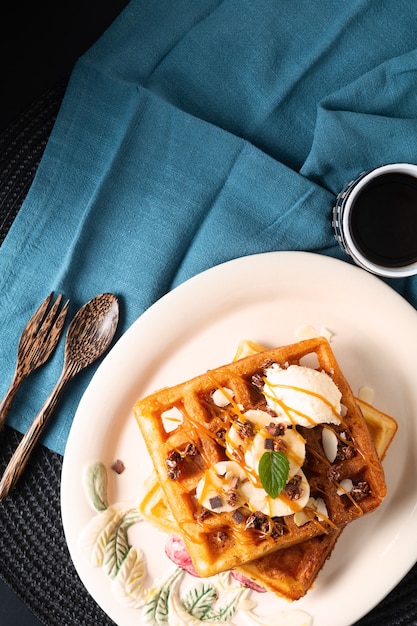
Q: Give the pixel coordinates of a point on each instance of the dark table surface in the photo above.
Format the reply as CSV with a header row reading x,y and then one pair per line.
x,y
40,45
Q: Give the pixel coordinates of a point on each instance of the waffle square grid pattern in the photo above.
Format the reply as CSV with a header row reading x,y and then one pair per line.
x,y
218,541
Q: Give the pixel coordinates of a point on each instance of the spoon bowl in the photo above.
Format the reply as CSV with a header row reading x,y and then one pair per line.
x,y
91,332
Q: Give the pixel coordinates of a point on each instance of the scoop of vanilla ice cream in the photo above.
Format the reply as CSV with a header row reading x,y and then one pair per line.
x,y
303,396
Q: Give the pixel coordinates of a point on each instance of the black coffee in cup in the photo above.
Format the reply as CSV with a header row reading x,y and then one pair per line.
x,y
383,220
375,220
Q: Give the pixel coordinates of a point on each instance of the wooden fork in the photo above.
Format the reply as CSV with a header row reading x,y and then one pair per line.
x,y
37,342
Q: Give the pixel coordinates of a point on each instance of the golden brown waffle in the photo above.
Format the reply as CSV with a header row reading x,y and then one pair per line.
x,y
289,572
216,541
381,426
292,571
154,509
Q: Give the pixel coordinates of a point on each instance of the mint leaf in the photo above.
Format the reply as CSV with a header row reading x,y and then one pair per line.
x,y
273,472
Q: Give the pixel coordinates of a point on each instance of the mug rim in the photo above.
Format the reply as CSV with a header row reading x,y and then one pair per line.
x,y
351,193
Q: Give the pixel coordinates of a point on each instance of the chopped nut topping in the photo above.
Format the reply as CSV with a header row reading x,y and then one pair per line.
x,y
203,514
232,497
265,525
276,430
221,434
190,450
360,491
260,522
293,488
232,494
245,429
173,464
345,452
333,473
175,460
280,445
258,381
278,527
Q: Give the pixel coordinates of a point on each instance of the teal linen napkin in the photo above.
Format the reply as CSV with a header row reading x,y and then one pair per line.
x,y
193,133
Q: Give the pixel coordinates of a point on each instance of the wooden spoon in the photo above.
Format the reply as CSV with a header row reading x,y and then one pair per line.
x,y
89,335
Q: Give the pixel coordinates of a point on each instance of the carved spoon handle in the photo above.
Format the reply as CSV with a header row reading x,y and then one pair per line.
x,y
21,455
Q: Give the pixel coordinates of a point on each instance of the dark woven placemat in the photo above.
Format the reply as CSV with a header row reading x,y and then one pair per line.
x,y
34,559
21,148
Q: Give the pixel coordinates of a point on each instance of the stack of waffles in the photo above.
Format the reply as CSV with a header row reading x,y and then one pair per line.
x,y
207,436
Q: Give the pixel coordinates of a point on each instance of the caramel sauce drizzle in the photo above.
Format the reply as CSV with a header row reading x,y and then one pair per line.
x,y
313,515
287,408
326,461
150,494
351,498
291,503
209,481
236,410
199,430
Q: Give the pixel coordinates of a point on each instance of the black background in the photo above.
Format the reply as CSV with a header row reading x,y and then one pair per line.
x,y
40,43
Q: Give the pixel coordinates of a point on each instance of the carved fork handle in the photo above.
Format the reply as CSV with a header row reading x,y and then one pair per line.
x,y
21,455
9,396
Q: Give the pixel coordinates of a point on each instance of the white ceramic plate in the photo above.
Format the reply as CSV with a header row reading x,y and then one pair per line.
x,y
264,298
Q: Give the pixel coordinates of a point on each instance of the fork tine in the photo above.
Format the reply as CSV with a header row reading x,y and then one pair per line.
x,y
46,323
35,321
37,342
42,343
50,331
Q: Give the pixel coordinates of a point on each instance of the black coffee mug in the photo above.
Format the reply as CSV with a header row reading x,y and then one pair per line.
x,y
375,220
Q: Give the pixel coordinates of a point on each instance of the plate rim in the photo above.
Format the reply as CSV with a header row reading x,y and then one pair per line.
x,y
176,295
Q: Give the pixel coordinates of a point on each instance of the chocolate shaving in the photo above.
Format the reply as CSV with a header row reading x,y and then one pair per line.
x,y
234,482
216,502
118,467
232,497
238,516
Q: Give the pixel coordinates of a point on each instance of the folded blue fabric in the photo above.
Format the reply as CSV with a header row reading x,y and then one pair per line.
x,y
192,133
